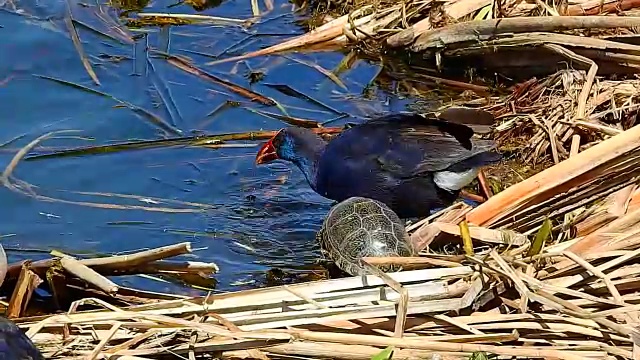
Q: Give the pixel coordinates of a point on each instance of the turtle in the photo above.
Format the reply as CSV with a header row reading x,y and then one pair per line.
x,y
359,227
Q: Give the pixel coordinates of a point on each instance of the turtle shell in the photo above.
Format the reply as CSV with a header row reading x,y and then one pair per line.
x,y
359,227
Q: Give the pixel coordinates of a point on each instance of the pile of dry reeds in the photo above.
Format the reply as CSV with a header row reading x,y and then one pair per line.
x,y
564,113
66,278
548,272
457,28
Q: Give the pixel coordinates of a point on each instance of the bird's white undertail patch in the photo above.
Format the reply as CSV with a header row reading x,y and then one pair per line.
x,y
450,180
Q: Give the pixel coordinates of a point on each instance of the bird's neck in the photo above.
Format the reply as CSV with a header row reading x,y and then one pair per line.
x,y
307,161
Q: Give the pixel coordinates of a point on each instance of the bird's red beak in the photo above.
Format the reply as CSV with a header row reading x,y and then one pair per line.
x,y
267,153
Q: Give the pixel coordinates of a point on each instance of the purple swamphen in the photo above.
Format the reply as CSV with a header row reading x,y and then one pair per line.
x,y
414,164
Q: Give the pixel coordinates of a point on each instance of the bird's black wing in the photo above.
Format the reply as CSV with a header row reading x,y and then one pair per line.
x,y
417,125
479,120
405,145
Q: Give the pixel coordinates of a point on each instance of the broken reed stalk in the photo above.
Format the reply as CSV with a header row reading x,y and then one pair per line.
x,y
191,69
325,32
330,350
597,241
142,257
426,233
421,344
403,302
410,263
103,341
28,281
4,178
77,43
117,262
255,353
85,273
471,31
601,240
556,179
166,266
194,18
201,140
591,75
613,207
599,7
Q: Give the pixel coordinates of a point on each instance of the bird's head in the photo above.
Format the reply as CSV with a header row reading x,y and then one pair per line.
x,y
291,144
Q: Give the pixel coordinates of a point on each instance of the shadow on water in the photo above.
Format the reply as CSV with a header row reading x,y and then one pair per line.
x,y
260,217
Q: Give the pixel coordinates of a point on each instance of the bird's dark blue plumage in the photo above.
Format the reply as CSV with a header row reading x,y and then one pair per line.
x,y
15,344
411,163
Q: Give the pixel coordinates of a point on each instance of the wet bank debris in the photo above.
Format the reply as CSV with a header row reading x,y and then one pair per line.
x,y
52,285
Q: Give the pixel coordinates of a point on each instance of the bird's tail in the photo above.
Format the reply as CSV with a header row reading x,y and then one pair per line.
x,y
479,120
460,174
483,154
481,159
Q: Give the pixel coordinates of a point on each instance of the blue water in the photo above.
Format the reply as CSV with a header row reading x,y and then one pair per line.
x,y
262,217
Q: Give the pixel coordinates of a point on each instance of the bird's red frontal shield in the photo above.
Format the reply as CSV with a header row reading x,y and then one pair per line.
x,y
267,153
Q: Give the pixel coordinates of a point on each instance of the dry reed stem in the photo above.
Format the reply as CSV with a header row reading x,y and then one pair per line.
x,y
325,32
77,43
419,344
118,262
85,273
486,29
403,302
568,174
28,281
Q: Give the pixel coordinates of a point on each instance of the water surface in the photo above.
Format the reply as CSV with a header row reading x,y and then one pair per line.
x,y
261,217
